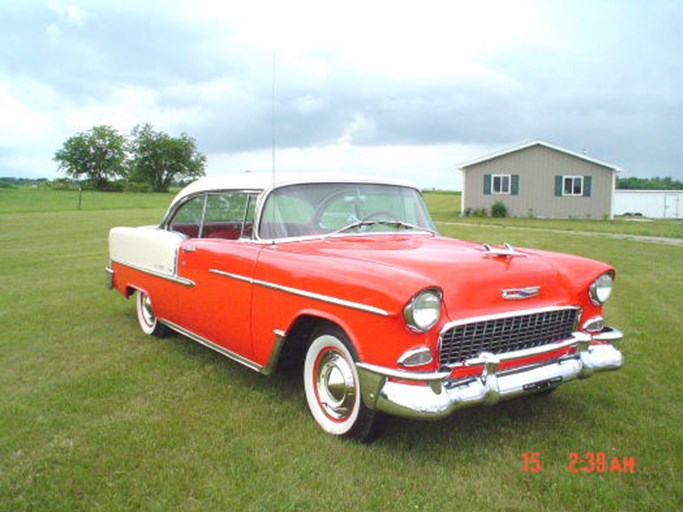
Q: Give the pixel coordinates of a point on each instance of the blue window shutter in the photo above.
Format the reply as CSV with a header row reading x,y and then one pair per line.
x,y
587,182
514,184
487,184
558,185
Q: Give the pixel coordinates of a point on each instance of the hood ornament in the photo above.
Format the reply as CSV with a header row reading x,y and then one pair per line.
x,y
521,293
507,251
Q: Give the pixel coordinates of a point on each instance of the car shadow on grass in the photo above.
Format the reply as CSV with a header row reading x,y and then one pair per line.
x,y
488,427
523,416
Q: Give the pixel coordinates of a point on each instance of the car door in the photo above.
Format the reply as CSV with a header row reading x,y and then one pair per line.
x,y
220,260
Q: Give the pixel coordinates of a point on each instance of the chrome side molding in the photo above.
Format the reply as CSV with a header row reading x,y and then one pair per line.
x,y
213,346
304,293
168,277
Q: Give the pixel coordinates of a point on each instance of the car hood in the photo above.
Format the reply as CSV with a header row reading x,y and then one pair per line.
x,y
472,281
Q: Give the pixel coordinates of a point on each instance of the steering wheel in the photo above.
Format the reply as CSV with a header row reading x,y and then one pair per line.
x,y
382,213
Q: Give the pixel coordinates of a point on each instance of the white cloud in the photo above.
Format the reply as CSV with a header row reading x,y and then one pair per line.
x,y
359,125
53,32
69,12
351,79
434,166
309,104
429,40
27,108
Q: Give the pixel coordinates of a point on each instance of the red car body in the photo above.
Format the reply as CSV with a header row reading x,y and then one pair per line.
x,y
350,293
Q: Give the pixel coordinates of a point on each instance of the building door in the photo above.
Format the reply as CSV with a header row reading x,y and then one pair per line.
x,y
672,206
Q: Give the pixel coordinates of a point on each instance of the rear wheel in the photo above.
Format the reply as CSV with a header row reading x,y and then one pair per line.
x,y
146,317
333,388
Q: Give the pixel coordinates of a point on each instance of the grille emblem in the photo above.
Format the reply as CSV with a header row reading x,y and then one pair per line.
x,y
521,293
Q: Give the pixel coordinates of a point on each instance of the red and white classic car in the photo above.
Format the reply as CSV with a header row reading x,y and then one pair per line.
x,y
349,276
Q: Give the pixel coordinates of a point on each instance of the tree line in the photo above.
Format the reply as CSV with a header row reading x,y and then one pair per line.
x,y
649,184
103,156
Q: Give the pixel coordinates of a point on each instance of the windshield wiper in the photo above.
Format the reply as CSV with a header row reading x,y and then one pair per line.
x,y
398,223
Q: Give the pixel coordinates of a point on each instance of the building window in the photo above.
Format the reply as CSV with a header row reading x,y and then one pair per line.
x,y
500,184
572,185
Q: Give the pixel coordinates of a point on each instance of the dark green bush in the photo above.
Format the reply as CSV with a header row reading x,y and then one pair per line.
x,y
499,210
136,186
63,184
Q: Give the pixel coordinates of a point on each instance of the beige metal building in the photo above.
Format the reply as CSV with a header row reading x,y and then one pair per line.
x,y
538,179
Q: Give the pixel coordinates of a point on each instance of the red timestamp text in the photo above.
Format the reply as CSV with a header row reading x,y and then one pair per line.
x,y
532,462
600,462
589,462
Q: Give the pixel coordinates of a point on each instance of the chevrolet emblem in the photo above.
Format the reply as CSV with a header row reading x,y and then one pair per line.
x,y
521,293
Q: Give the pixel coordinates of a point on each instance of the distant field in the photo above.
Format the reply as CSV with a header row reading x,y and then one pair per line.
x,y
443,206
27,199
97,416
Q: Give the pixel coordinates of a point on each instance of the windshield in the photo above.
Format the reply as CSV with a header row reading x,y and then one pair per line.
x,y
335,208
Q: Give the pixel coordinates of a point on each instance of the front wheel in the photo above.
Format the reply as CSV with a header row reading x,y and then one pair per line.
x,y
146,317
333,389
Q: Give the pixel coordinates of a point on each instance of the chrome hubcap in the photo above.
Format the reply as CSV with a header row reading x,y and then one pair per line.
x,y
335,385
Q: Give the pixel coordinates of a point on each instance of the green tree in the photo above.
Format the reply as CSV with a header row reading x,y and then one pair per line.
x,y
655,183
98,155
159,159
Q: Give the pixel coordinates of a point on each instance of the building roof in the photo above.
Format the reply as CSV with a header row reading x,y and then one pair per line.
x,y
526,145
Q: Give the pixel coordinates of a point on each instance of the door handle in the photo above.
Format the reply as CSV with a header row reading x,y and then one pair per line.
x,y
189,248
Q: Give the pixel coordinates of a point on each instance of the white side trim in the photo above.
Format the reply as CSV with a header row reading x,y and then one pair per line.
x,y
146,248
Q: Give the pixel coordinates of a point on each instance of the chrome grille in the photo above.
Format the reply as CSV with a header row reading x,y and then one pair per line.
x,y
507,334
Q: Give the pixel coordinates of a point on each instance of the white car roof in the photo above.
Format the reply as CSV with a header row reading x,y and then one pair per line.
x,y
264,181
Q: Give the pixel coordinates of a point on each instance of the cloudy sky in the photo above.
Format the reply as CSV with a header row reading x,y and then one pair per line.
x,y
406,89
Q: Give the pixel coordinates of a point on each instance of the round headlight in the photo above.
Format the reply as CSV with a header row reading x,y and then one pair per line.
x,y
424,310
601,289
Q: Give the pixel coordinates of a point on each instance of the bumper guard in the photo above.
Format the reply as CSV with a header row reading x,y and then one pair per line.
x,y
439,395
109,277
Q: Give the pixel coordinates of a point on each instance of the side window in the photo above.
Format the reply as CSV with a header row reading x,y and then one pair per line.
x,y
249,216
286,215
229,215
188,218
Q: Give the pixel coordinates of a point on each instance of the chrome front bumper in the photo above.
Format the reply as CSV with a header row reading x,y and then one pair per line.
x,y
435,395
109,277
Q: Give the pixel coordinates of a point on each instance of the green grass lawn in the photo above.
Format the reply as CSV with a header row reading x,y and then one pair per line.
x,y
27,199
97,416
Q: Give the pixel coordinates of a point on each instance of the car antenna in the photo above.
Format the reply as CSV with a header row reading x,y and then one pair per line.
x,y
272,120
272,124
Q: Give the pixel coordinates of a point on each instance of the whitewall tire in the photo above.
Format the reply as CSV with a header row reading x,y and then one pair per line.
x,y
333,389
146,317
